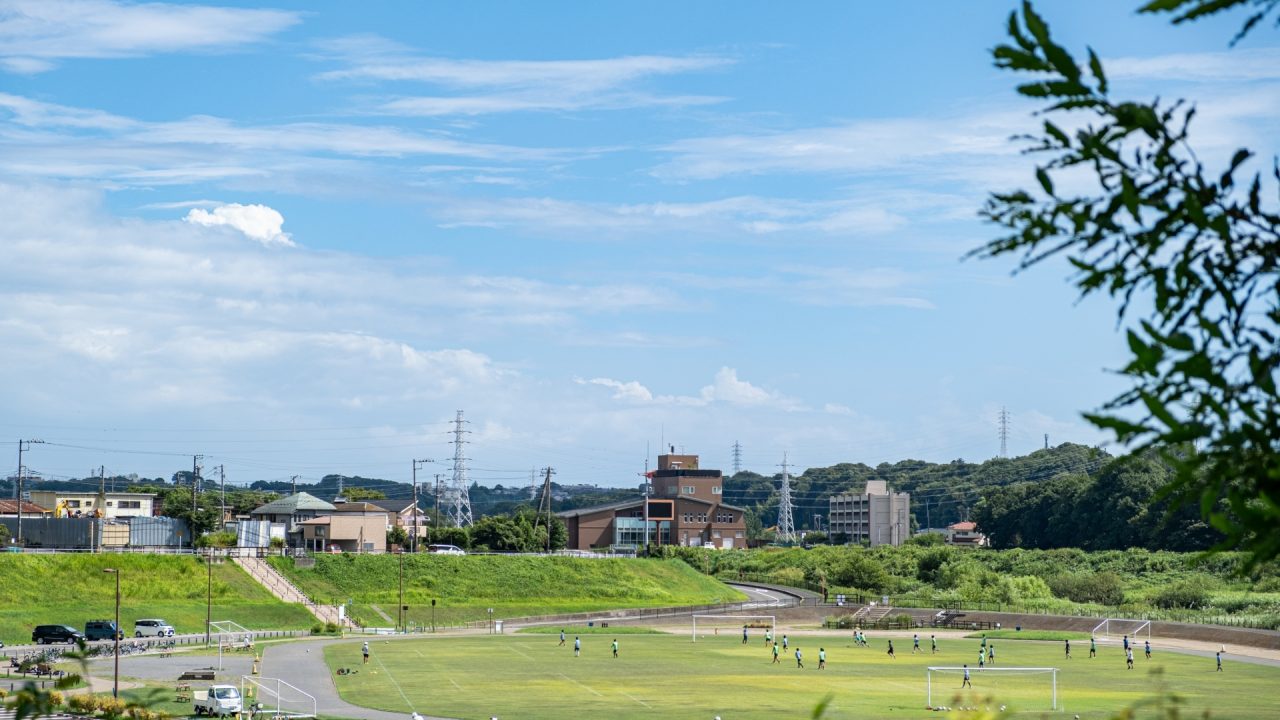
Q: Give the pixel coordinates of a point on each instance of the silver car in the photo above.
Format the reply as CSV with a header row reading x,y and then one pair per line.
x,y
153,627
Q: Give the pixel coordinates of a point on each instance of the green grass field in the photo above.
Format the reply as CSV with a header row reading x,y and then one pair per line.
x,y
529,676
466,586
71,589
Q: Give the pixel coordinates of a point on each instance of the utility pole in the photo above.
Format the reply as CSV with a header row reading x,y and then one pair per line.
x,y
1046,441
437,522
1004,432
645,480
546,502
416,464
195,475
533,492
737,457
222,489
22,445
786,528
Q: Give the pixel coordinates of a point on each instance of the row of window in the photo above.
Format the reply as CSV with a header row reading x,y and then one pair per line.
x,y
123,504
702,517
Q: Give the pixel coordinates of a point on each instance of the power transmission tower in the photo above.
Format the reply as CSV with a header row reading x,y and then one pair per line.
x,y
459,493
737,457
786,527
1004,432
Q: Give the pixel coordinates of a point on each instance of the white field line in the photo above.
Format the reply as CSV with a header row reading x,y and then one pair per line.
x,y
393,682
520,652
455,684
639,701
575,682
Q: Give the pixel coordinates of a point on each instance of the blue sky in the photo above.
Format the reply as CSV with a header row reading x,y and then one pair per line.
x,y
296,238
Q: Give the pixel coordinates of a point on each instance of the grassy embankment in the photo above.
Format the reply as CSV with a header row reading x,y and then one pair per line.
x,y
668,676
464,587
71,589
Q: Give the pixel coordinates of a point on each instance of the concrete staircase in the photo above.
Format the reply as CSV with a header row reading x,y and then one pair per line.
x,y
876,613
279,585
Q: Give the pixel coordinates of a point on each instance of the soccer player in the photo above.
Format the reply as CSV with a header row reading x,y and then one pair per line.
x,y
744,634
933,640
799,660
615,647
984,641
982,658
1066,646
1093,646
966,682
991,653
561,638
784,641
1146,647
1128,658
1219,656
915,643
768,637
890,653
1126,642
364,650
577,646
822,658
775,653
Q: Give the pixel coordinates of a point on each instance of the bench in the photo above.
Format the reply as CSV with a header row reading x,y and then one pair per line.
x,y
182,692
202,674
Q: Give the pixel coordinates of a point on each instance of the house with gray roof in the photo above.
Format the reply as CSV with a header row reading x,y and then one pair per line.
x,y
290,511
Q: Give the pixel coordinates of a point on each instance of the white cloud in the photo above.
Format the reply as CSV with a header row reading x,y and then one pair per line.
x,y
515,85
33,33
259,222
953,147
726,388
1207,67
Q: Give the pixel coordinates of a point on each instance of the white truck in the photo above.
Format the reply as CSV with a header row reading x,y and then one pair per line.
x,y
218,700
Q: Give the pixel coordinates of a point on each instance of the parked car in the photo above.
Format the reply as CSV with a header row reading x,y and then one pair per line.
x,y
45,634
153,627
446,549
102,630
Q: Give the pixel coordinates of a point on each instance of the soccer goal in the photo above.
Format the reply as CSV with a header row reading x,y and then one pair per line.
x,y
731,625
231,636
275,698
1111,628
1025,688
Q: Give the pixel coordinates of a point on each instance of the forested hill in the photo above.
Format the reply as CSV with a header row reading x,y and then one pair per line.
x,y
941,493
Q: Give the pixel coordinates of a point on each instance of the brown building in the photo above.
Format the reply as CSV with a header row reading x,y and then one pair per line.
x,y
351,527
684,509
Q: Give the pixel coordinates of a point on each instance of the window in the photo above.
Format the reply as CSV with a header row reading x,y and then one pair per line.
x,y
702,517
129,504
715,490
73,503
715,533
738,534
689,489
320,531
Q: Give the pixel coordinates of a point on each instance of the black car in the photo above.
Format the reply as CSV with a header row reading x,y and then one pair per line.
x,y
44,634
102,630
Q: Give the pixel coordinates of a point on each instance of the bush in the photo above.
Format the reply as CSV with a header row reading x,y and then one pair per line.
x,y
56,699
788,576
317,628
1268,584
1193,592
1104,588
84,704
331,628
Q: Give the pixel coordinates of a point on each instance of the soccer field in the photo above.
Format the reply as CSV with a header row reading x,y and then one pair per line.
x,y
529,676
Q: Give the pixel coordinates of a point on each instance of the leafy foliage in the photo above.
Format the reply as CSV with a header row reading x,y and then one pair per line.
x,y
1153,225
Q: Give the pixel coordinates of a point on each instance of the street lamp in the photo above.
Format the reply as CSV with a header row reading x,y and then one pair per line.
x,y
490,621
115,679
400,614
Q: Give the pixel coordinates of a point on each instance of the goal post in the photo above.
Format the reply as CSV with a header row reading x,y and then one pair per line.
x,y
1109,628
278,699
1017,685
230,634
706,623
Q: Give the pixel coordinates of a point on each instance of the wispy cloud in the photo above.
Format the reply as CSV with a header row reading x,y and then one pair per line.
x,y
35,33
1205,67
514,85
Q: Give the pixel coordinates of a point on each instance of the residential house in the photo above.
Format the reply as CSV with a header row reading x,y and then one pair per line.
x,y
109,505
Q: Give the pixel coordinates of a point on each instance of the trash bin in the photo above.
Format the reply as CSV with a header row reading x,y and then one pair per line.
x,y
497,626
591,623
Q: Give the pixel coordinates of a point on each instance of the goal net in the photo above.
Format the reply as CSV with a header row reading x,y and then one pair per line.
x,y
230,636
732,626
277,698
1021,688
1117,628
